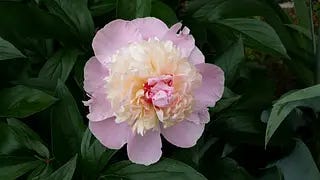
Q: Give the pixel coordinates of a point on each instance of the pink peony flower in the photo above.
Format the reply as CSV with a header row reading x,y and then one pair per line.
x,y
146,80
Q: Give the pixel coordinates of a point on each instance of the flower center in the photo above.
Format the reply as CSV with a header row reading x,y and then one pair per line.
x,y
151,85
159,91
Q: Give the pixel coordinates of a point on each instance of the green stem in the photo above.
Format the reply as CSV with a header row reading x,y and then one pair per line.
x,y
317,68
312,27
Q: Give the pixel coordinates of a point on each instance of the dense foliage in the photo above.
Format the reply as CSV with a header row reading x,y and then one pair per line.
x,y
265,127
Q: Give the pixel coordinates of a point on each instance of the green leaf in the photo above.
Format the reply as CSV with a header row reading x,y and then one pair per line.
x,y
133,9
65,172
59,65
94,156
75,14
219,9
45,85
8,141
40,172
8,51
164,12
308,97
143,8
301,30
28,137
21,101
239,126
273,173
166,169
19,22
299,164
228,98
302,12
102,7
256,34
66,125
230,60
12,167
227,169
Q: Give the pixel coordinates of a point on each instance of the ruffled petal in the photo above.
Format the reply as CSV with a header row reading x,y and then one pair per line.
x,y
196,56
112,37
184,134
199,117
111,134
150,27
99,107
212,86
94,75
145,149
183,40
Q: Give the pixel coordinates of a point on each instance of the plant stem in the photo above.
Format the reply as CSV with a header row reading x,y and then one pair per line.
x,y
312,27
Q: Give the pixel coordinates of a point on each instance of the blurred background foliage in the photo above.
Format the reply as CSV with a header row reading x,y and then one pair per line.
x,y
266,126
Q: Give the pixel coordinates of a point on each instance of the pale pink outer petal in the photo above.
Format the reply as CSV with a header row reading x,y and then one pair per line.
x,y
109,133
204,116
196,56
150,27
199,117
99,107
183,40
145,149
112,37
184,134
212,86
94,74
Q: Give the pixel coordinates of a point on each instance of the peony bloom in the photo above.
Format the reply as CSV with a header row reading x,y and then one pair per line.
x,y
145,80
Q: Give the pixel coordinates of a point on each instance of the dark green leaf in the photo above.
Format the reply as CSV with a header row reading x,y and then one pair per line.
x,y
239,127
302,12
19,21
230,60
143,8
66,125
102,7
308,97
40,172
65,172
8,51
218,9
133,9
273,173
164,12
228,98
299,164
256,34
75,14
8,141
60,65
28,137
12,167
94,156
42,84
21,101
301,30
166,169
227,169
